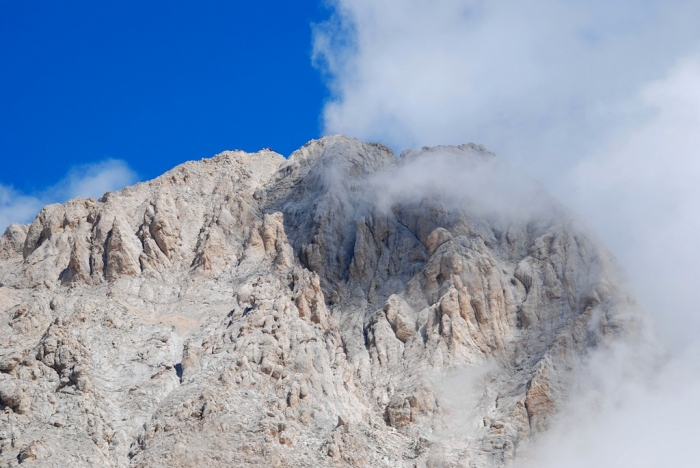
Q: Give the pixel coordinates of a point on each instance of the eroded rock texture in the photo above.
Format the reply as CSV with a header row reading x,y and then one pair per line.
x,y
251,310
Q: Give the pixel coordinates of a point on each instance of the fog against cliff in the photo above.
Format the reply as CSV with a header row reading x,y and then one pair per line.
x,y
598,101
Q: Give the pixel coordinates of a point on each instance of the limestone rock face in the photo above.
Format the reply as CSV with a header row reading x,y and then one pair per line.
x,y
252,310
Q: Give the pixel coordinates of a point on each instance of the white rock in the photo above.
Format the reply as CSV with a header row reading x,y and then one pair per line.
x,y
248,310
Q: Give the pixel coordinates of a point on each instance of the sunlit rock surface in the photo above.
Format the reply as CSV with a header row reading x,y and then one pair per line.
x,y
251,310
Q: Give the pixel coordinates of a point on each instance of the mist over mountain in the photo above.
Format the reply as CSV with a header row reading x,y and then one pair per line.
x,y
342,307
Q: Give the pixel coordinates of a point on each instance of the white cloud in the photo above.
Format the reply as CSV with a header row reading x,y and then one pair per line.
x,y
626,416
93,180
90,180
16,207
552,78
466,178
641,192
600,101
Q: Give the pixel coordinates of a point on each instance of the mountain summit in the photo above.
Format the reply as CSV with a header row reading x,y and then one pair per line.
x,y
342,307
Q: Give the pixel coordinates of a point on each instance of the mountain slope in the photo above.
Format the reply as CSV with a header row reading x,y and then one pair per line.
x,y
341,307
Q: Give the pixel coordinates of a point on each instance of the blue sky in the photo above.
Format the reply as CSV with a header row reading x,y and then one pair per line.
x,y
151,83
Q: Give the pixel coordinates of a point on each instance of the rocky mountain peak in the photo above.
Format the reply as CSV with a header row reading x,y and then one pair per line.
x,y
312,311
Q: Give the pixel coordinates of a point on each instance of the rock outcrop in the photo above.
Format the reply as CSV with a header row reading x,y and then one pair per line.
x,y
251,310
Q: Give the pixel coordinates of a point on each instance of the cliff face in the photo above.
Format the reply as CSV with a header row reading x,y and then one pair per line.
x,y
316,311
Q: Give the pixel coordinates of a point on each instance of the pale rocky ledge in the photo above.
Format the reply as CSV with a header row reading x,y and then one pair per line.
x,y
252,310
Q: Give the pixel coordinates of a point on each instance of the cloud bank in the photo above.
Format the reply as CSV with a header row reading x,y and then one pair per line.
x,y
91,180
598,100
626,414
641,192
553,78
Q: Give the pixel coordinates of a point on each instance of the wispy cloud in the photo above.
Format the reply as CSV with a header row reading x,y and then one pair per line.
x,y
16,207
93,180
466,177
90,180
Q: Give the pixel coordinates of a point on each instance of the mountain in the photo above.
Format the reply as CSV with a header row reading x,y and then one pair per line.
x,y
342,307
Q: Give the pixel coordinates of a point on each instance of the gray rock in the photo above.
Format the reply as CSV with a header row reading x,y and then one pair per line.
x,y
251,310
